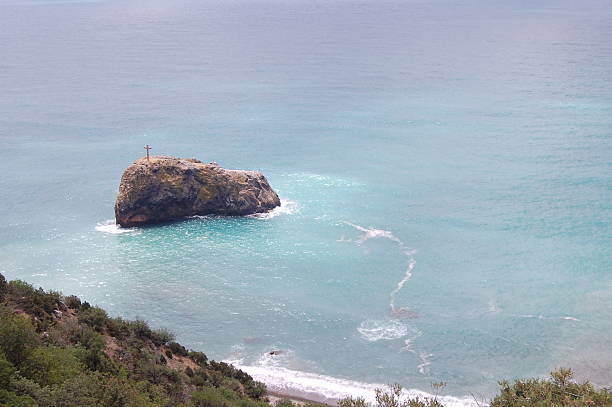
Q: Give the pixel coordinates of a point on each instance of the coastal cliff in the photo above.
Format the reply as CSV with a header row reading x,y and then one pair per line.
x,y
167,188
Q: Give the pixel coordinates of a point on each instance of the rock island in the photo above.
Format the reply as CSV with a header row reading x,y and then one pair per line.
x,y
161,188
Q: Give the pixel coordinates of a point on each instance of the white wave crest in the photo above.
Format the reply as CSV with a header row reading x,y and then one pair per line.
x,y
372,233
375,330
330,389
400,284
111,227
286,207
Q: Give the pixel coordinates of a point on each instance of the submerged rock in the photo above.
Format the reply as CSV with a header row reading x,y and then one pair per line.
x,y
168,188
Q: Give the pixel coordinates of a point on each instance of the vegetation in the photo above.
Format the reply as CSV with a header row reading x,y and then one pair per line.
x,y
58,351
560,390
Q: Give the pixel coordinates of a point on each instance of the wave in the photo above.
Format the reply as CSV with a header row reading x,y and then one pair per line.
x,y
286,207
329,389
111,227
567,318
375,330
373,233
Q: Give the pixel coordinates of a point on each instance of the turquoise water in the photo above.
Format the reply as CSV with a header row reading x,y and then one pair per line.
x,y
451,159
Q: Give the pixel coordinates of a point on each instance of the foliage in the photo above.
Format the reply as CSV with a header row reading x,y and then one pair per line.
x,y
33,301
94,317
3,287
214,397
392,397
560,390
72,301
178,349
161,336
50,365
118,327
17,338
7,370
82,357
198,357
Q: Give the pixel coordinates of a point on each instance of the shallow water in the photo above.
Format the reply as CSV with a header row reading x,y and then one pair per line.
x,y
446,160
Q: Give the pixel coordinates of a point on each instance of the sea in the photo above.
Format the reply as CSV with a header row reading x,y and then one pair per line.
x,y
445,170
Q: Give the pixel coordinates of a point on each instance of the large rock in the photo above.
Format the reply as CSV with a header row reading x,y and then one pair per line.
x,y
167,188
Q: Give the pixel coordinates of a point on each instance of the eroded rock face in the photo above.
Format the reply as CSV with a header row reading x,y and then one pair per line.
x,y
168,188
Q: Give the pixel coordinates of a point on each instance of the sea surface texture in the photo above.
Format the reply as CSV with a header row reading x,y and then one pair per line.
x,y
445,169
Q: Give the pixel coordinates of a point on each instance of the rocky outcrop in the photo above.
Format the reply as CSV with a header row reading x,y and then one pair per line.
x,y
168,188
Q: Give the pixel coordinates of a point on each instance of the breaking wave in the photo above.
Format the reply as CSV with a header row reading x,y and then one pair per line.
x,y
111,227
375,330
286,207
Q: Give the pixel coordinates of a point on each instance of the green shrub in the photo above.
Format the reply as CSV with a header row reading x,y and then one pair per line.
x,y
34,301
3,287
118,327
17,338
169,354
161,336
255,390
6,372
95,317
49,365
99,390
560,390
178,349
140,329
285,402
391,398
209,397
199,377
198,357
8,398
72,301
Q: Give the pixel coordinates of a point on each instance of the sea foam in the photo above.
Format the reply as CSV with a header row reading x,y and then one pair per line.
x,y
287,207
375,330
111,227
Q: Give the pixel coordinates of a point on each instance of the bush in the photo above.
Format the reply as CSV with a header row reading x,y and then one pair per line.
x,y
95,317
162,336
3,287
391,398
199,377
50,365
255,390
284,403
118,327
560,390
17,338
198,357
140,329
178,349
209,397
169,353
72,301
34,301
6,372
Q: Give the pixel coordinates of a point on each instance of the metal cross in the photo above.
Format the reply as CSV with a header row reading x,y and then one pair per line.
x,y
147,147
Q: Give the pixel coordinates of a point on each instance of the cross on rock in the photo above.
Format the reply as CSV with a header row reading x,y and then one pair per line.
x,y
147,147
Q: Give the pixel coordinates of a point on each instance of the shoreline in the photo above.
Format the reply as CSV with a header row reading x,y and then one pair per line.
x,y
306,388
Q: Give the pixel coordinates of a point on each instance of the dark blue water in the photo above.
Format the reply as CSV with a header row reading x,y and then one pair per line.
x,y
449,159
